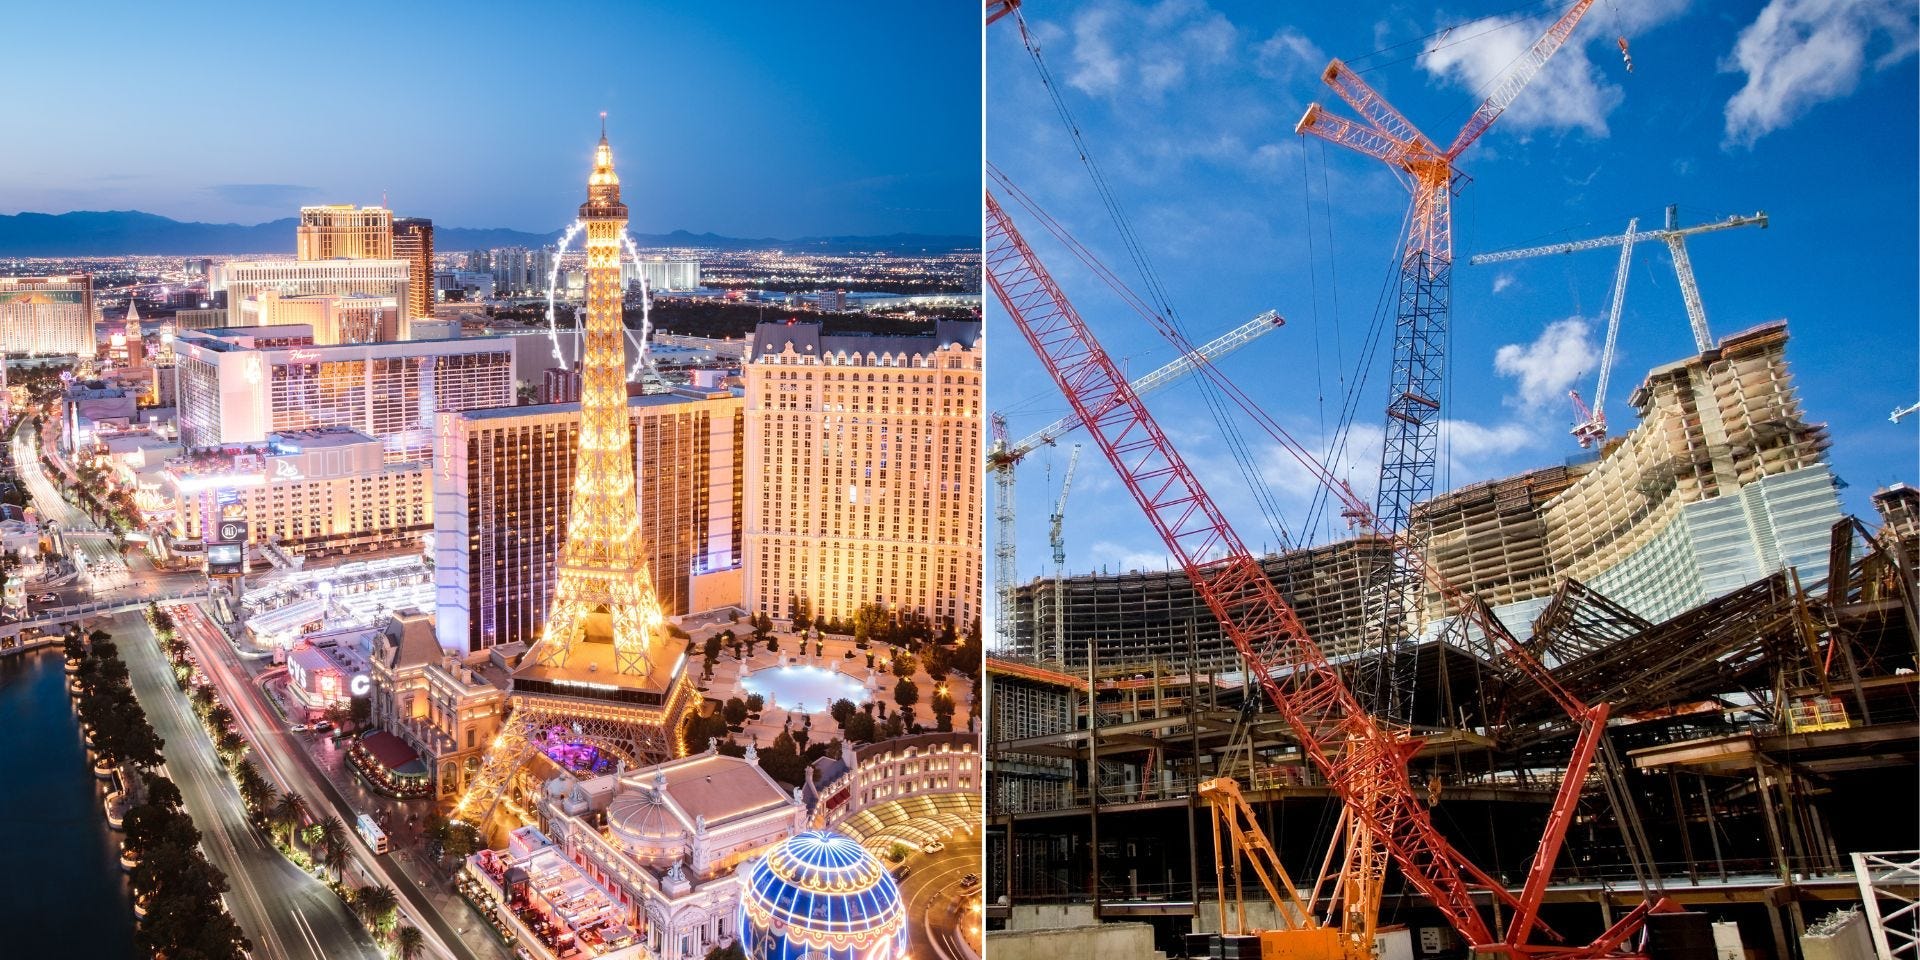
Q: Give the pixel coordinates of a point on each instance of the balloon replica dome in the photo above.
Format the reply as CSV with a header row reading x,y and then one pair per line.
x,y
821,896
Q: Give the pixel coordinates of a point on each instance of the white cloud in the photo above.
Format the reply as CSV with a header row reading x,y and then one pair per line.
x,y
1123,49
1566,95
1287,54
1502,281
1634,16
1117,557
1468,443
1550,364
1798,54
1569,93
1097,66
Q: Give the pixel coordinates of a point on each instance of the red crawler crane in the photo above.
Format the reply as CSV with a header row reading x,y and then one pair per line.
x,y
1365,764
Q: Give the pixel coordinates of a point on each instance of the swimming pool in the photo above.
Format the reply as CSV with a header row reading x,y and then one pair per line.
x,y
797,687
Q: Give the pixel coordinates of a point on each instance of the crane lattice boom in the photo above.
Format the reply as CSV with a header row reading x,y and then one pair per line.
x,y
1003,457
1613,240
1165,375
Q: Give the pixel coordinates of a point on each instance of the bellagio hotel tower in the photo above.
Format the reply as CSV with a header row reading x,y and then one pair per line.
x,y
863,472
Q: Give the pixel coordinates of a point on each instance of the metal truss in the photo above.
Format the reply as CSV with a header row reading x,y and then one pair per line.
x,y
634,739
1887,882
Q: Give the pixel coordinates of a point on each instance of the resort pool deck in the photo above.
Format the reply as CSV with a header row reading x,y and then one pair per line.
x,y
796,687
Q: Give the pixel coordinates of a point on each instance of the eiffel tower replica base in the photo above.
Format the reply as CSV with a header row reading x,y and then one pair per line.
x,y
634,719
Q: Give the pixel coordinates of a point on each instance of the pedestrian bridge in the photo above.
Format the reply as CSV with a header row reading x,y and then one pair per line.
x,y
60,617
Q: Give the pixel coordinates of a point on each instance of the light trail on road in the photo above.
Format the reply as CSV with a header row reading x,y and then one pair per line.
x,y
286,761
931,886
264,886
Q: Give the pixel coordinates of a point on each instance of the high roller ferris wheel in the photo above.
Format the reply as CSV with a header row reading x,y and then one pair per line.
x,y
641,340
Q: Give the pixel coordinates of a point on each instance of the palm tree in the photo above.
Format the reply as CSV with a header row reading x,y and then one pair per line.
x,y
334,858
333,837
376,905
289,812
332,831
408,942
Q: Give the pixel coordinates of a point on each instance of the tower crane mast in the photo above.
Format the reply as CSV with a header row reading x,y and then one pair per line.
x,y
1420,329
1003,529
1059,517
1363,762
1590,426
1057,539
1004,456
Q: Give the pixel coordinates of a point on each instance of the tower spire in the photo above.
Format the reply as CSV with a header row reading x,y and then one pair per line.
x,y
603,186
604,590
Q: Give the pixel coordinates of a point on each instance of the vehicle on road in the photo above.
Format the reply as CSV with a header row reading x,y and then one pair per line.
x,y
933,847
301,728
900,872
324,726
969,881
371,832
45,598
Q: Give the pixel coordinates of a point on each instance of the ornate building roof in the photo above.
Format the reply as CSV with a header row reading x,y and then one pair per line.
x,y
666,812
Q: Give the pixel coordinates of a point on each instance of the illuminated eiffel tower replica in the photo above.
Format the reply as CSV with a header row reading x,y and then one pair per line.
x,y
602,672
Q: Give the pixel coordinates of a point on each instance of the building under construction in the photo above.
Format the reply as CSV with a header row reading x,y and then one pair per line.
x,y
1136,620
1757,649
1721,482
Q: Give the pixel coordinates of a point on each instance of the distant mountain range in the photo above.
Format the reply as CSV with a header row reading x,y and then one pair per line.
x,y
107,233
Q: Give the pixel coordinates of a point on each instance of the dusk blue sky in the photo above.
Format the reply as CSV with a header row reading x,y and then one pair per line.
x,y
746,119
1803,108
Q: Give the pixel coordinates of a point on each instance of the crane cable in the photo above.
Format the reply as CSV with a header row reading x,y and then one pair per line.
x,y
1337,445
1162,305
1336,441
1319,471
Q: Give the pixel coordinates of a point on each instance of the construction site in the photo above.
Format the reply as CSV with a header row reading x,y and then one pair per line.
x,y
1658,700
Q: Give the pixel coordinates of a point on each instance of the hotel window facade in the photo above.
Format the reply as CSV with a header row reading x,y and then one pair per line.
x,y
47,315
391,391
504,488
864,472
248,279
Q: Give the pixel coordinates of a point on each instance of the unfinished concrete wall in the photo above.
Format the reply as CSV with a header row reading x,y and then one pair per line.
x,y
1721,482
1048,916
1490,539
1838,936
1106,941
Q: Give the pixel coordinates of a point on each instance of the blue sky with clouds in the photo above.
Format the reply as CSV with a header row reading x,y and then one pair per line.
x,y
1802,108
751,119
